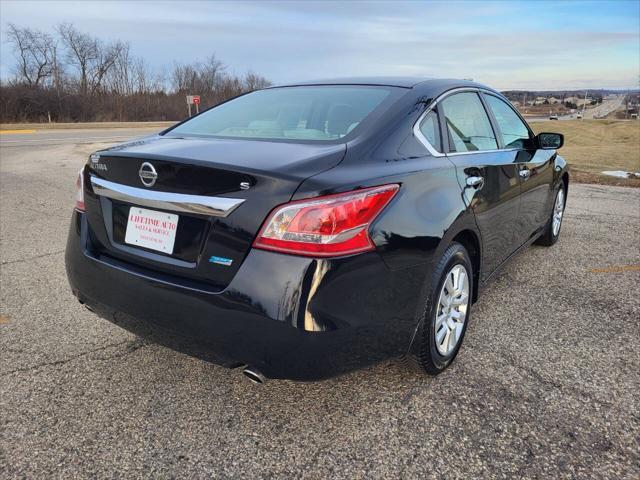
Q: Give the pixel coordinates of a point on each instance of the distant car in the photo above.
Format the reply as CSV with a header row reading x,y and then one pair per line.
x,y
307,230
579,116
553,117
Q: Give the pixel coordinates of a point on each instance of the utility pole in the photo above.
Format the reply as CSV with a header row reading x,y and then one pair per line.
x,y
626,106
584,105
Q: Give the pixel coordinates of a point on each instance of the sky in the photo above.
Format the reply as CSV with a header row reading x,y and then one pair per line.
x,y
537,44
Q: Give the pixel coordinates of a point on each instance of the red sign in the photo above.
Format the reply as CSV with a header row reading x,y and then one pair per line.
x,y
196,99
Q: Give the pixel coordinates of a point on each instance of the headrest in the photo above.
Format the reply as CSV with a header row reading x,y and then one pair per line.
x,y
339,119
289,116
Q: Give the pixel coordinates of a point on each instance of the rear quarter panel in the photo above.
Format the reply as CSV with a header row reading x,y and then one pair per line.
x,y
412,231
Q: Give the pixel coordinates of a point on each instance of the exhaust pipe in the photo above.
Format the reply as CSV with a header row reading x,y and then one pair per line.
x,y
254,376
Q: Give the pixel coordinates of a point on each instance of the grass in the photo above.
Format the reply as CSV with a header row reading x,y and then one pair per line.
x,y
591,146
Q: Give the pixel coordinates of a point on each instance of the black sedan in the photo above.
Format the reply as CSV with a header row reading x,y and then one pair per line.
x,y
307,230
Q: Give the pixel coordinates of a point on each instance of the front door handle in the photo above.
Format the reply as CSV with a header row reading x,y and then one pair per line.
x,y
524,174
477,182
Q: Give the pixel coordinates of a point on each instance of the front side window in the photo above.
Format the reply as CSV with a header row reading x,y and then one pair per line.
x,y
468,124
321,113
515,133
430,128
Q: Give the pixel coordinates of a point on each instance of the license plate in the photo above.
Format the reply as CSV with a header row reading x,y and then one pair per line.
x,y
151,229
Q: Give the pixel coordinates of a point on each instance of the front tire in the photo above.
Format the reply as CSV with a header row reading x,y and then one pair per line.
x,y
447,311
552,230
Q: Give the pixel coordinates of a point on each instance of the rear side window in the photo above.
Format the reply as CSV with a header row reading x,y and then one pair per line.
x,y
468,125
515,133
430,128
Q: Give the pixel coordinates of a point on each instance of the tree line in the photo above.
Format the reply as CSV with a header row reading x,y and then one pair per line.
x,y
73,76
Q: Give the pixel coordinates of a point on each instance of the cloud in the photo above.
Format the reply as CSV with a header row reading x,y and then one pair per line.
x,y
508,44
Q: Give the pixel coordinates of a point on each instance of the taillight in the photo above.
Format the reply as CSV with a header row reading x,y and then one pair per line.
x,y
327,226
80,191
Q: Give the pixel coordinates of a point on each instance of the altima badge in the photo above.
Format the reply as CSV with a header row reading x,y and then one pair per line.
x,y
95,162
148,174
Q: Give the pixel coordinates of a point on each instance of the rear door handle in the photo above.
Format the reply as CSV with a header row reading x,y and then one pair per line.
x,y
477,182
524,174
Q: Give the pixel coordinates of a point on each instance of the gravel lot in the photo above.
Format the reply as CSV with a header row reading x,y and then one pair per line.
x,y
546,384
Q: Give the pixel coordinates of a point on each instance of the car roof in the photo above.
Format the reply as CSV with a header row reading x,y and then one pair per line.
x,y
421,83
405,82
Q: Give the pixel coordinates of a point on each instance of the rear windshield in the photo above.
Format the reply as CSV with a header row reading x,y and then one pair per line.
x,y
321,113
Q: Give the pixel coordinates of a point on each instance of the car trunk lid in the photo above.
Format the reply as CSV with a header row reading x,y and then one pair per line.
x,y
244,179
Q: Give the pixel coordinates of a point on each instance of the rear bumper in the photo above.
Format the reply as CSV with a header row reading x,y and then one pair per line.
x,y
289,317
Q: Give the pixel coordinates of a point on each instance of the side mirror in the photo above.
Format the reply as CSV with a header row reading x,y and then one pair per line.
x,y
550,141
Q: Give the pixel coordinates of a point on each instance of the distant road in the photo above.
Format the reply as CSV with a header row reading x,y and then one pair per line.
x,y
605,108
40,138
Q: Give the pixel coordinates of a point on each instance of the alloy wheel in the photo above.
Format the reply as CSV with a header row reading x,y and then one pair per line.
x,y
558,211
452,310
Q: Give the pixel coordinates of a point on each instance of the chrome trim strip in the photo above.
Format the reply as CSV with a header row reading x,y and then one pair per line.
x,y
419,135
476,152
175,202
416,126
431,148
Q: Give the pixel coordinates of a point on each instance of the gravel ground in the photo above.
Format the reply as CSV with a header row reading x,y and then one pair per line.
x,y
546,384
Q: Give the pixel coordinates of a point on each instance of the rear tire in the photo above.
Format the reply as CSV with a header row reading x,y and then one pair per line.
x,y
552,230
446,313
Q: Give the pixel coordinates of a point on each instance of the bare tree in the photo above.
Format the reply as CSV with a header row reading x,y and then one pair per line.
x,y
35,52
185,78
201,78
210,74
143,80
90,56
74,76
107,56
253,81
81,52
117,80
